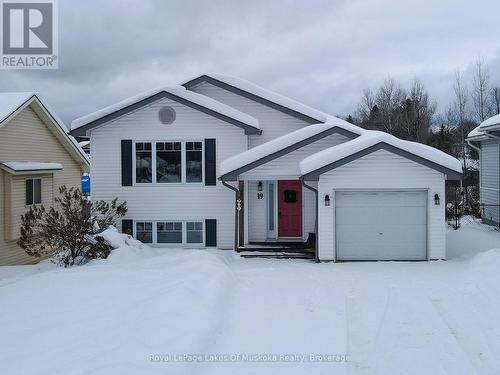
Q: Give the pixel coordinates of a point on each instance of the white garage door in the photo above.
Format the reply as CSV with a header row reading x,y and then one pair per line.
x,y
381,225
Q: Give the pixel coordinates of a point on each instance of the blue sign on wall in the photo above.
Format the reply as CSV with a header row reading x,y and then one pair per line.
x,y
85,183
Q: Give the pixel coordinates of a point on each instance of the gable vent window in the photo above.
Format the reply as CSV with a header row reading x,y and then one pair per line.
x,y
166,115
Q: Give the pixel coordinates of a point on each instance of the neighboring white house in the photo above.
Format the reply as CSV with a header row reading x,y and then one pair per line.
x,y
486,139
222,162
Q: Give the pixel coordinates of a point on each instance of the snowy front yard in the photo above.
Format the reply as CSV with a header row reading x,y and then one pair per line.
x,y
132,313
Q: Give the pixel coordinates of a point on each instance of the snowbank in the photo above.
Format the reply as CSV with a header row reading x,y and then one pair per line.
x,y
370,138
112,315
179,91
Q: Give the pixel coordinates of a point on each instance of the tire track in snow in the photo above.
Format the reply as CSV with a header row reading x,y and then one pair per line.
x,y
475,350
389,300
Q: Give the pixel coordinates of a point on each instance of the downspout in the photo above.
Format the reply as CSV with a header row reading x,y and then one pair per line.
x,y
236,192
316,258
473,147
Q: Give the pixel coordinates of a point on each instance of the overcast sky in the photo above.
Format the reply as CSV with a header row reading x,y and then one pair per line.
x,y
323,53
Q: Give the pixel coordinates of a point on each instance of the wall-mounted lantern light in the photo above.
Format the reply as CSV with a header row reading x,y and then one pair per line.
x,y
436,199
259,186
327,200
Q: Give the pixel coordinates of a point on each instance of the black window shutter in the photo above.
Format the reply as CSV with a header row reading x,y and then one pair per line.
x,y
126,162
210,162
210,232
127,226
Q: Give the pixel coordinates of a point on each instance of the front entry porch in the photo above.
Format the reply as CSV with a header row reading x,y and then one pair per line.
x,y
276,218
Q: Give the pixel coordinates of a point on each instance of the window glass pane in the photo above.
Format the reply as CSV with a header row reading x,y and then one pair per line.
x,y
168,162
143,163
29,192
169,232
290,196
193,162
37,187
194,232
144,232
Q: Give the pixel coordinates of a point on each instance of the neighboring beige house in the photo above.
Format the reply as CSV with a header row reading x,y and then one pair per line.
x,y
37,156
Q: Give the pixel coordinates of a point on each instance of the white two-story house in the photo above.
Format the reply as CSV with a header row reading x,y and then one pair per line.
x,y
221,162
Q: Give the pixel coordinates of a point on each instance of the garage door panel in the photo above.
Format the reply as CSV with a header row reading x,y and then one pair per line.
x,y
398,215
381,225
367,235
373,252
351,215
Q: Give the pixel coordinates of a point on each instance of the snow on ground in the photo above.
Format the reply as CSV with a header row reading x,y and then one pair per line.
x,y
110,316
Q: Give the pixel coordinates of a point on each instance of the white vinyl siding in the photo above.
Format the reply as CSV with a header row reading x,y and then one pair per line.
x,y
167,202
272,122
490,179
286,167
383,170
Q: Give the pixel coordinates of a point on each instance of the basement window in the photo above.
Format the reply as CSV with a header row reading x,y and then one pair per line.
x,y
144,231
194,232
169,232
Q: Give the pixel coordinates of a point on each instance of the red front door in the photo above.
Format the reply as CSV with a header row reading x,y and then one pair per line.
x,y
289,209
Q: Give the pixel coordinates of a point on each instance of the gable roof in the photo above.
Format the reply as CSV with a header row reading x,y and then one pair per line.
x,y
275,148
179,94
250,90
11,103
371,141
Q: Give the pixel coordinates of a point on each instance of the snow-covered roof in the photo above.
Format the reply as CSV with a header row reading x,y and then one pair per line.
x,y
492,121
10,102
490,124
273,97
29,166
370,138
178,91
84,143
475,133
287,140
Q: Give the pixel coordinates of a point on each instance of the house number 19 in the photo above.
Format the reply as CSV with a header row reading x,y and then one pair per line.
x,y
260,195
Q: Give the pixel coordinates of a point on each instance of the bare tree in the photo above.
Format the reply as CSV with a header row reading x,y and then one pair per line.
x,y
388,100
366,105
495,99
480,83
417,111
